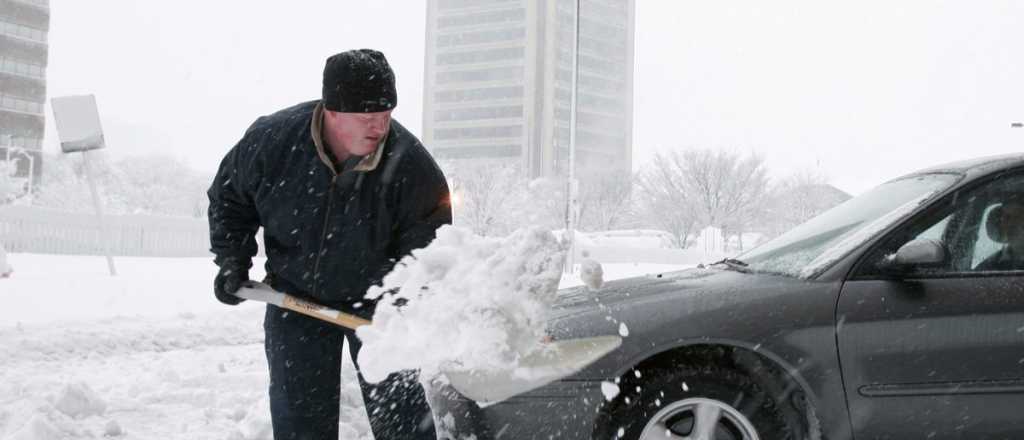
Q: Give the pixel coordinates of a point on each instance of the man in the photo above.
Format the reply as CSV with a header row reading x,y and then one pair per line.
x,y
1006,225
342,192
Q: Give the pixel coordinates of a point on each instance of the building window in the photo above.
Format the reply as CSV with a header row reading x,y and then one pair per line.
x,y
478,151
495,74
15,67
481,56
11,103
481,94
478,132
21,142
488,17
480,37
457,4
42,3
476,113
25,32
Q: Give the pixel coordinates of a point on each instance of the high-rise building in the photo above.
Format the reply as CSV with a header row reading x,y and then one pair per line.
x,y
498,82
24,26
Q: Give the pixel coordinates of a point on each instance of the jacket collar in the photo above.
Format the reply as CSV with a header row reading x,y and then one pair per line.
x,y
367,163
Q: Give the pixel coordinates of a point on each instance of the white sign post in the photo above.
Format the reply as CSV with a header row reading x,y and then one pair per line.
x,y
78,126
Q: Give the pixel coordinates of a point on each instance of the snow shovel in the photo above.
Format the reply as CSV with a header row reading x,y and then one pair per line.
x,y
559,359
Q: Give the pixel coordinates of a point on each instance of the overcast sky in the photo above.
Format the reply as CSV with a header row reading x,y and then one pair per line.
x,y
859,91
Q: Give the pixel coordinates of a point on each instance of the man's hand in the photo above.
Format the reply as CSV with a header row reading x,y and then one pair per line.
x,y
232,276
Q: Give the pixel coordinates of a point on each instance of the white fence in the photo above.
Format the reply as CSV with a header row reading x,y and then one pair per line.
x,y
44,231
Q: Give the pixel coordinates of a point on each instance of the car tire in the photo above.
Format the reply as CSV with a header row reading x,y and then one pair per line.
x,y
679,399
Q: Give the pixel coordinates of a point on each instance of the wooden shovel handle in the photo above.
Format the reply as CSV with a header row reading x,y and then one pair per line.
x,y
323,313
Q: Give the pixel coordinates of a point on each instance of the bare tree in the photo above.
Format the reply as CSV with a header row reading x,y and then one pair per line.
x,y
605,199
798,198
490,196
664,199
730,189
684,192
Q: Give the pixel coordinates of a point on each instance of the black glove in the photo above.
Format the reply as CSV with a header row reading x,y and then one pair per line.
x,y
232,276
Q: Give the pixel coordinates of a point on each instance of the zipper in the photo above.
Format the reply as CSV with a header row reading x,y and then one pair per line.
x,y
323,235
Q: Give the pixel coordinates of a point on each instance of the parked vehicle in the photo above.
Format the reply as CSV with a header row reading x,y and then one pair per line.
x,y
881,318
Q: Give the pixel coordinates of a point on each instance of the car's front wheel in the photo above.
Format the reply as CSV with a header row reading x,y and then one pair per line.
x,y
703,403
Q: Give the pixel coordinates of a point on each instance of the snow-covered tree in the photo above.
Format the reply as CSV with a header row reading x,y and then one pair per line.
x,y
154,184
158,184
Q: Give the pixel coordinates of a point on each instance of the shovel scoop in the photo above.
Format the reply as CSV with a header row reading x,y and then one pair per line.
x,y
557,359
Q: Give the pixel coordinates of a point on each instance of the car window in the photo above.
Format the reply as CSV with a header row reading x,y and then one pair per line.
x,y
981,229
808,248
985,246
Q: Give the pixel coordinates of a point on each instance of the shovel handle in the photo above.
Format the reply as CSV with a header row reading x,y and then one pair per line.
x,y
258,291
323,313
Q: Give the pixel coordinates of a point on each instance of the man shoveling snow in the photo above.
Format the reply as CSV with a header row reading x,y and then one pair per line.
x,y
341,192
467,311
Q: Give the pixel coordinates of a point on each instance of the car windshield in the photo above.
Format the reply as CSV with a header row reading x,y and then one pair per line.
x,y
808,249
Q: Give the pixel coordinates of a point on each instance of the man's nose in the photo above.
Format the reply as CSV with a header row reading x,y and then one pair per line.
x,y
379,126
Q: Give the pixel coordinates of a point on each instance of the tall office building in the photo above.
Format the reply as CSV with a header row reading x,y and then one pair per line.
x,y
498,82
24,25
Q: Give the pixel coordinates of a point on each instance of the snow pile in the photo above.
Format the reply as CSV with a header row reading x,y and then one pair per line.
x,y
464,303
38,428
78,401
256,423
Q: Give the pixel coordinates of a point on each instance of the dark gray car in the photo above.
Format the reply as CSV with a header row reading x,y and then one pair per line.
x,y
898,314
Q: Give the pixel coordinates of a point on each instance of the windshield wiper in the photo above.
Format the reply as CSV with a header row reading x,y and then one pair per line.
x,y
734,264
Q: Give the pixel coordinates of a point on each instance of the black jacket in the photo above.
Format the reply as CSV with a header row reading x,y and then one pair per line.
x,y
328,236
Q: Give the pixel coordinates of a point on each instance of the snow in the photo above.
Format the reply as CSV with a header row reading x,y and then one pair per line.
x,y
592,274
79,401
153,345
609,390
5,268
472,303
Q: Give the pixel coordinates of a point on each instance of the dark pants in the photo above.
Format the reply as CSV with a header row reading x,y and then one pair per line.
x,y
304,355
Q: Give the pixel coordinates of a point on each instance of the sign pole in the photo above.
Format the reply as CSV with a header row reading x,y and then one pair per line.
x,y
104,236
78,125
572,188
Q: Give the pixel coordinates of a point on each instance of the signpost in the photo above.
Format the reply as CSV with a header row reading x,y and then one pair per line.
x,y
572,187
78,126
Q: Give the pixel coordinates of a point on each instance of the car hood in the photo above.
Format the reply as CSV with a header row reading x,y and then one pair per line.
x,y
658,312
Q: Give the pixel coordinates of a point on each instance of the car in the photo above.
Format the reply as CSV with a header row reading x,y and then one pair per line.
x,y
897,314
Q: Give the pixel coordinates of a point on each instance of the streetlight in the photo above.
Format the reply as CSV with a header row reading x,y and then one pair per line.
x,y
572,205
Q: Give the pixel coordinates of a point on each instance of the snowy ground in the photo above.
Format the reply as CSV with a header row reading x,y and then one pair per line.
x,y
148,354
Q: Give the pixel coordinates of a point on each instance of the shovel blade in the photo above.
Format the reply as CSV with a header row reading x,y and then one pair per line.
x,y
561,359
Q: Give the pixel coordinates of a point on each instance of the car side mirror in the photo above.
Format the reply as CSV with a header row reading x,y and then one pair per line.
x,y
918,254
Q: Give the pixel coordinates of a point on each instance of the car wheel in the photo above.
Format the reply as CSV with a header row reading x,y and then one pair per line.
x,y
702,403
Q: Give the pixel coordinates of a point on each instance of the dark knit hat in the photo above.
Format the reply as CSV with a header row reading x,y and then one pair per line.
x,y
359,81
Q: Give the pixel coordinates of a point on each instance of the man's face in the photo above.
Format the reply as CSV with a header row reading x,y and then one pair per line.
x,y
356,133
1013,225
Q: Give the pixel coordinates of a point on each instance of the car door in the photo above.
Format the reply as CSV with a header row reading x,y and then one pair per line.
x,y
939,353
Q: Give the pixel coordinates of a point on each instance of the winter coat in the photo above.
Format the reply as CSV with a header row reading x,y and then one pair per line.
x,y
328,235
